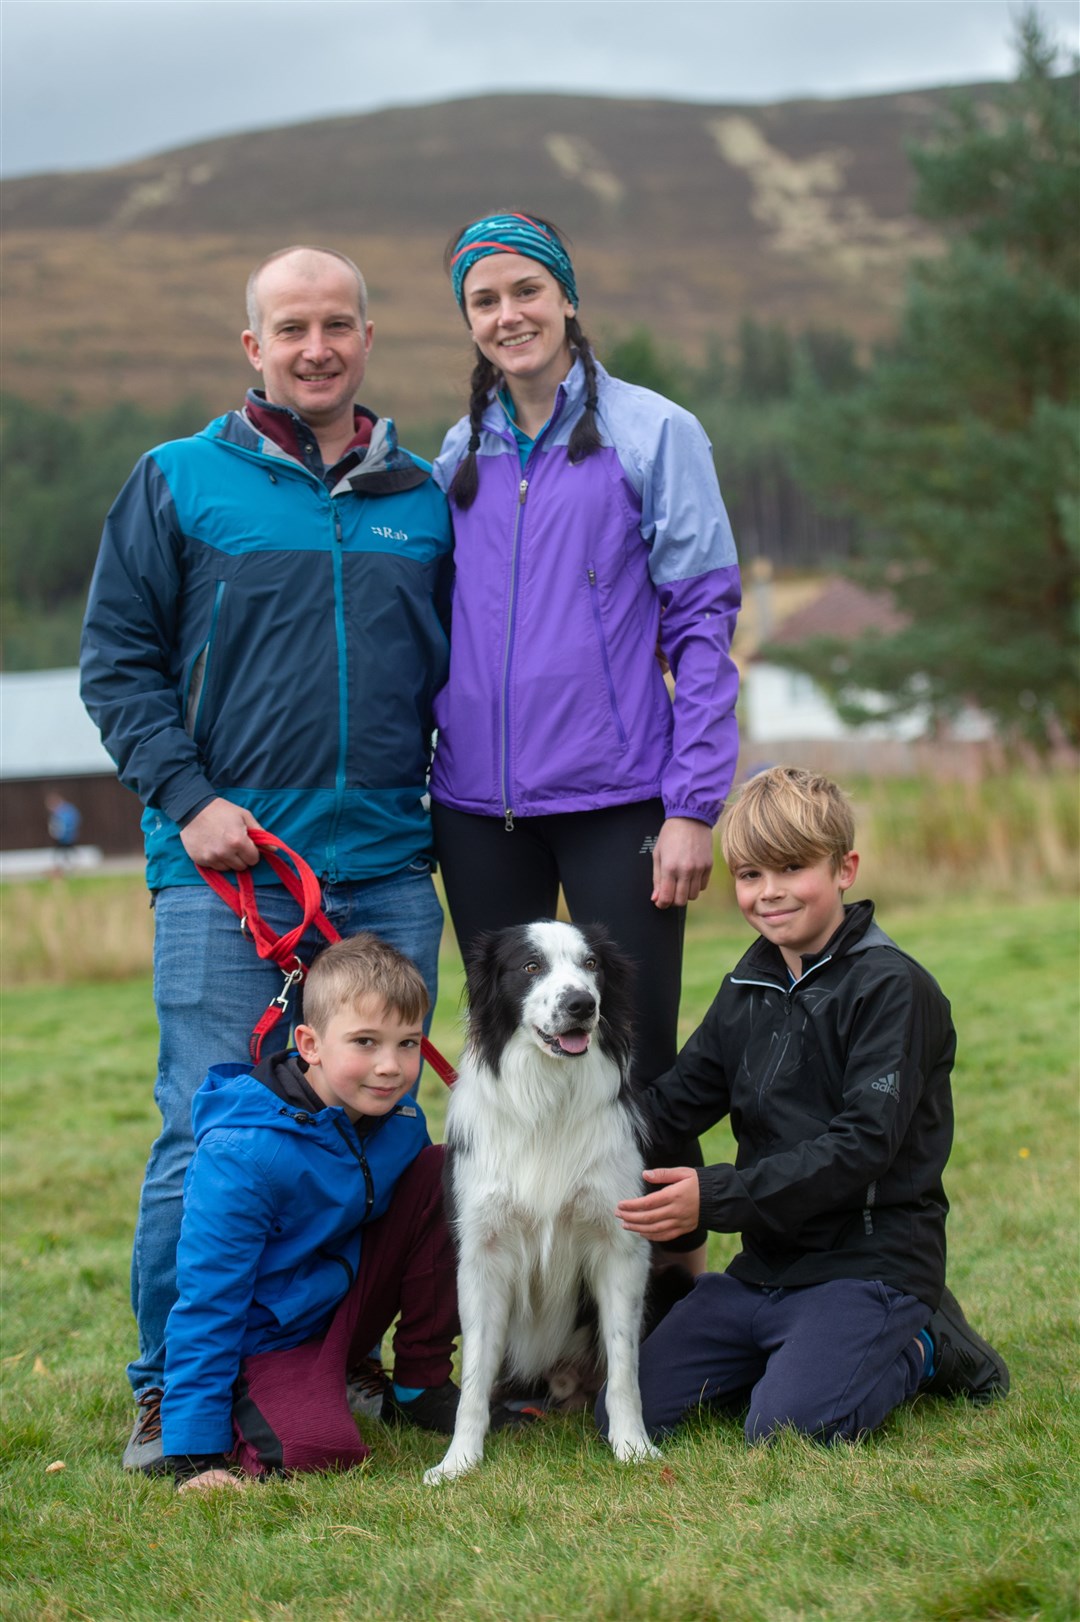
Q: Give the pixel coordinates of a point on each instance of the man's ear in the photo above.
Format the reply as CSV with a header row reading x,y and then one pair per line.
x,y
307,1043
252,348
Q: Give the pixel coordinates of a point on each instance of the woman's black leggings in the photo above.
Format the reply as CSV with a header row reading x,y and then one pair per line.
x,y
603,860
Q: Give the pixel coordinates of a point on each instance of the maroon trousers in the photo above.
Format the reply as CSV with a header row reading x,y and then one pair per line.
x,y
290,1411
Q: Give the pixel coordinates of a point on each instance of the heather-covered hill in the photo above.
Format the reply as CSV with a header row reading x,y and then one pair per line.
x,y
127,282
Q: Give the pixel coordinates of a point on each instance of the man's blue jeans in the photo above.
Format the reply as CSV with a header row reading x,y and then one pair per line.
x,y
210,987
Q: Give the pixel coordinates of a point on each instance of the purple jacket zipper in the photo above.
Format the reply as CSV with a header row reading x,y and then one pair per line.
x,y
504,722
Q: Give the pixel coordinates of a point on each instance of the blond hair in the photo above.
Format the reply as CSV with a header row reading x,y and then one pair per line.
x,y
363,966
254,312
787,815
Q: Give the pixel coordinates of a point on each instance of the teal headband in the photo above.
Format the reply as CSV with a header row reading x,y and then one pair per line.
x,y
510,233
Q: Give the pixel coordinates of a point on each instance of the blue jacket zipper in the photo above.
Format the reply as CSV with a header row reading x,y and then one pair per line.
x,y
358,1154
343,690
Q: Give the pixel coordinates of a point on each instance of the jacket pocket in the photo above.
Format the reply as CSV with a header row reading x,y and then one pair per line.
x,y
332,1256
594,599
200,670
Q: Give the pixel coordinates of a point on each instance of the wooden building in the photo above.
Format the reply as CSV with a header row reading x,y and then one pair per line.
x,y
49,744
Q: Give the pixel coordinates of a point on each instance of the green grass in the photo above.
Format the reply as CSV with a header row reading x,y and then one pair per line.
x,y
949,1514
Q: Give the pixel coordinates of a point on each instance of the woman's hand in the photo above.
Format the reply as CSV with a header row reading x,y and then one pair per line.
x,y
682,861
673,1209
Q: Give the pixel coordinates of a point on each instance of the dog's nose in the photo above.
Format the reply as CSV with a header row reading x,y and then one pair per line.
x,y
580,1005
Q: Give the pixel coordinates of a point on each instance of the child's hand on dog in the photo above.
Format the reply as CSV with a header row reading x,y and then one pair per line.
x,y
672,1210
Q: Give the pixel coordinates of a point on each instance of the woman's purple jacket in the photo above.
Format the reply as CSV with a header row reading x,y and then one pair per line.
x,y
568,577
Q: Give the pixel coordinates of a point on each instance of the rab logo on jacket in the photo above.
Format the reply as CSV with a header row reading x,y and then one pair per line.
x,y
889,1084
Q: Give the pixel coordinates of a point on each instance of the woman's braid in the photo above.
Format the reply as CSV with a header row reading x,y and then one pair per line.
x,y
466,480
585,437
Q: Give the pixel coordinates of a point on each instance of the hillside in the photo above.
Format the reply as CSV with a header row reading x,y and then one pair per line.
x,y
127,283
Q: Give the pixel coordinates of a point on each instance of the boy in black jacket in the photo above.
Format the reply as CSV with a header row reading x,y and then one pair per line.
x,y
831,1051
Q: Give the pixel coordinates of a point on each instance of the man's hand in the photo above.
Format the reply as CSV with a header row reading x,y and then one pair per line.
x,y
682,861
674,1209
218,837
209,1479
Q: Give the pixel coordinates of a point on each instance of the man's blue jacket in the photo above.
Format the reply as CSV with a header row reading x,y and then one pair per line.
x,y
253,634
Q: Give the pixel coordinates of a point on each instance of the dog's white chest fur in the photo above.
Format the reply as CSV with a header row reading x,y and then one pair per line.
x,y
542,1140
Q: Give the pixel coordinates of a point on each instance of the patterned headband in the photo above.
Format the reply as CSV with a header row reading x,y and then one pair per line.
x,y
511,233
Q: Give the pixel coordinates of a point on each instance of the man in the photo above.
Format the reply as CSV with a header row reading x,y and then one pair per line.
x,y
263,640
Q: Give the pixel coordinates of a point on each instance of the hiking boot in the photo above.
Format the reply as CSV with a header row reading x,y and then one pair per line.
x,y
143,1451
964,1364
435,1409
366,1387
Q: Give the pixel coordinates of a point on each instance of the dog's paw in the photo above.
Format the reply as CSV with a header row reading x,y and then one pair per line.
x,y
635,1450
448,1470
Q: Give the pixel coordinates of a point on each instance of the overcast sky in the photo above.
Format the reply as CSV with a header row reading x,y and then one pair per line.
x,y
87,83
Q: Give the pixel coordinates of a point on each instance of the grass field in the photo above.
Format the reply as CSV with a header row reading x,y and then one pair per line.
x,y
948,1514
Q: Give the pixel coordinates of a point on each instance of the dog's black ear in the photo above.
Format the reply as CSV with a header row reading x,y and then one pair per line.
x,y
617,995
492,1016
481,967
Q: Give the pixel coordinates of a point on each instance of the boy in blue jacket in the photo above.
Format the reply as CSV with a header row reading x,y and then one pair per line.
x,y
830,1050
313,1216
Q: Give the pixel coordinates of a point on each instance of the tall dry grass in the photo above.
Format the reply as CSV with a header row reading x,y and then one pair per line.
x,y
57,930
920,840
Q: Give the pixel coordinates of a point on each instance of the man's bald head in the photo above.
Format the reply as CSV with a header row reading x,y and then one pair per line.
x,y
305,261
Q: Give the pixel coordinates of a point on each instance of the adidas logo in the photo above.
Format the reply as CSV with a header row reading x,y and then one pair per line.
x,y
648,845
888,1084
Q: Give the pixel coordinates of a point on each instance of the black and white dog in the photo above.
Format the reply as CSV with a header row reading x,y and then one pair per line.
x,y
542,1143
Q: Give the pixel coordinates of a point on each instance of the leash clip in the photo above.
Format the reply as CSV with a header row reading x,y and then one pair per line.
x,y
291,977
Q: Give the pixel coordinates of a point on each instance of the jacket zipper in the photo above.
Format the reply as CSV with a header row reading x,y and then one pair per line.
x,y
594,598
358,1154
196,692
343,690
504,700
868,1209
788,994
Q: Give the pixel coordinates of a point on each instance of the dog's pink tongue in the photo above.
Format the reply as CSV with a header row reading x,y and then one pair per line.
x,y
574,1041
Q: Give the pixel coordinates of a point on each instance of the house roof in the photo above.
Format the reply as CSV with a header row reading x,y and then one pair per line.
x,y
841,609
44,730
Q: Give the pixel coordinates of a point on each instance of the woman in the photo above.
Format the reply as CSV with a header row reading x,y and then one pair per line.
x,y
591,537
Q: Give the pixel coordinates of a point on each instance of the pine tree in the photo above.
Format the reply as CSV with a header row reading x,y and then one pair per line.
x,y
960,450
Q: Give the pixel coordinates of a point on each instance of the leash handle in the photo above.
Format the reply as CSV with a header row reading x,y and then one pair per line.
x,y
298,880
303,885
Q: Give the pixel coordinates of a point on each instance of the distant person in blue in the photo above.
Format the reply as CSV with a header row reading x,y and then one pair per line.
x,y
264,638
64,822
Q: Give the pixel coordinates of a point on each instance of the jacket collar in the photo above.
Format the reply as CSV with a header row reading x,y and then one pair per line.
x,y
570,393
377,468
291,434
855,932
283,1074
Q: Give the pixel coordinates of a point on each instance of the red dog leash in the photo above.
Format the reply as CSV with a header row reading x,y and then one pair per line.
x,y
304,887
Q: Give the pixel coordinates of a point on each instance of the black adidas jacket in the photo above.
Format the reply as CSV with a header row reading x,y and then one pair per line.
x,y
840,1102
